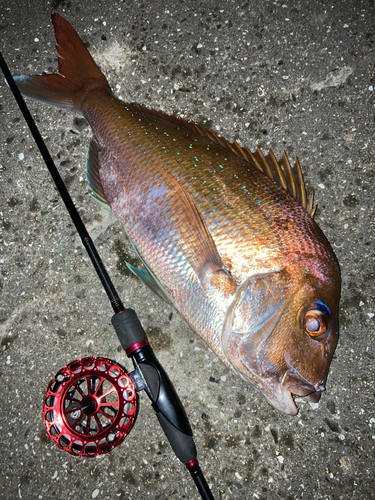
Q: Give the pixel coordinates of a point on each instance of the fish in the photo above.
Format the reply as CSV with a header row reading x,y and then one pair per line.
x,y
226,235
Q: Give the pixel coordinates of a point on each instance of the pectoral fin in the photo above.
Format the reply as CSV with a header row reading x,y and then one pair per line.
x,y
200,249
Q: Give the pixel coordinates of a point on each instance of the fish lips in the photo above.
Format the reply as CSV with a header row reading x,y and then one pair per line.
x,y
280,395
279,391
296,384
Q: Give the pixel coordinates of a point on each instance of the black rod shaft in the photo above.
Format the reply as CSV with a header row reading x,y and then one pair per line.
x,y
200,482
86,240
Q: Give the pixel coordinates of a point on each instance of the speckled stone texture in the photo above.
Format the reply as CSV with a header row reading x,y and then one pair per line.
x,y
295,76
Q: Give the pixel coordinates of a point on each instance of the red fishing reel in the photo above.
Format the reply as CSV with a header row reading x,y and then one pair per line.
x,y
90,406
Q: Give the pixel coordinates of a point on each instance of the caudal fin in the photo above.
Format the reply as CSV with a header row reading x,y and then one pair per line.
x,y
78,72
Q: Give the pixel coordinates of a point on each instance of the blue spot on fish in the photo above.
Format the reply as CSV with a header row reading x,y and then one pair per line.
x,y
322,307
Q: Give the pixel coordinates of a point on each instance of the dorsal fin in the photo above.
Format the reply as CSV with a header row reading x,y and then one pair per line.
x,y
285,176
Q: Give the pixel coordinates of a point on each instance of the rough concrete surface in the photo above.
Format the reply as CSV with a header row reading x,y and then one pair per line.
x,y
291,75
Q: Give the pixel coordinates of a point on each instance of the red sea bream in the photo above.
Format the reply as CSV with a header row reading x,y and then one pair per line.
x,y
226,236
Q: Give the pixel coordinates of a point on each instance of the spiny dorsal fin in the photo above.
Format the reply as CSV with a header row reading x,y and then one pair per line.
x,y
287,177
281,172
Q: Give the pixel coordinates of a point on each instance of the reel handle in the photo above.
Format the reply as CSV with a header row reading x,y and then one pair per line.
x,y
151,376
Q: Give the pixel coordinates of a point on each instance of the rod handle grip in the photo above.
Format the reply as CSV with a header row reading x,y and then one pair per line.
x,y
128,328
182,444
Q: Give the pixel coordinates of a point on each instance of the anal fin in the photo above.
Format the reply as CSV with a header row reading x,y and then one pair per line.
x,y
152,283
92,174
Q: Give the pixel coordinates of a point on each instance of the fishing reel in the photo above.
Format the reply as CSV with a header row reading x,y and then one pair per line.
x,y
90,406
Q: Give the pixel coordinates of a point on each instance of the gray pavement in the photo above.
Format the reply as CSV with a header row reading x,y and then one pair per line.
x,y
293,75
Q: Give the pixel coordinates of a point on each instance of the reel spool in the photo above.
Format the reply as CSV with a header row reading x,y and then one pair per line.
x,y
90,406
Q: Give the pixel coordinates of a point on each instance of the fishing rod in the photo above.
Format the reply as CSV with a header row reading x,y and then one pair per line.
x,y
91,404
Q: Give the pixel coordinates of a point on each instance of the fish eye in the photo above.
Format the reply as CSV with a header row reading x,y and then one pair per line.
x,y
315,323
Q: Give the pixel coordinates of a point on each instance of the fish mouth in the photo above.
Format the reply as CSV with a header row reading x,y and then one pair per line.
x,y
281,394
296,384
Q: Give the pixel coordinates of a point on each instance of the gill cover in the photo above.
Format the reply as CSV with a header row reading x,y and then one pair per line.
x,y
252,326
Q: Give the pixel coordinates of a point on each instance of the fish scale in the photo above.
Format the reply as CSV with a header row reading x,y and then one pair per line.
x,y
226,235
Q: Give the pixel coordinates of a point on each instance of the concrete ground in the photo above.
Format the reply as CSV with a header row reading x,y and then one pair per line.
x,y
291,75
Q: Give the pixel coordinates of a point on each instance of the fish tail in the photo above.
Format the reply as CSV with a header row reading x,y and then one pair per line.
x,y
78,72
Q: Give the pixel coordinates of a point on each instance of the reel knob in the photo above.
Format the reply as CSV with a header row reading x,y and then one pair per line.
x,y
90,406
